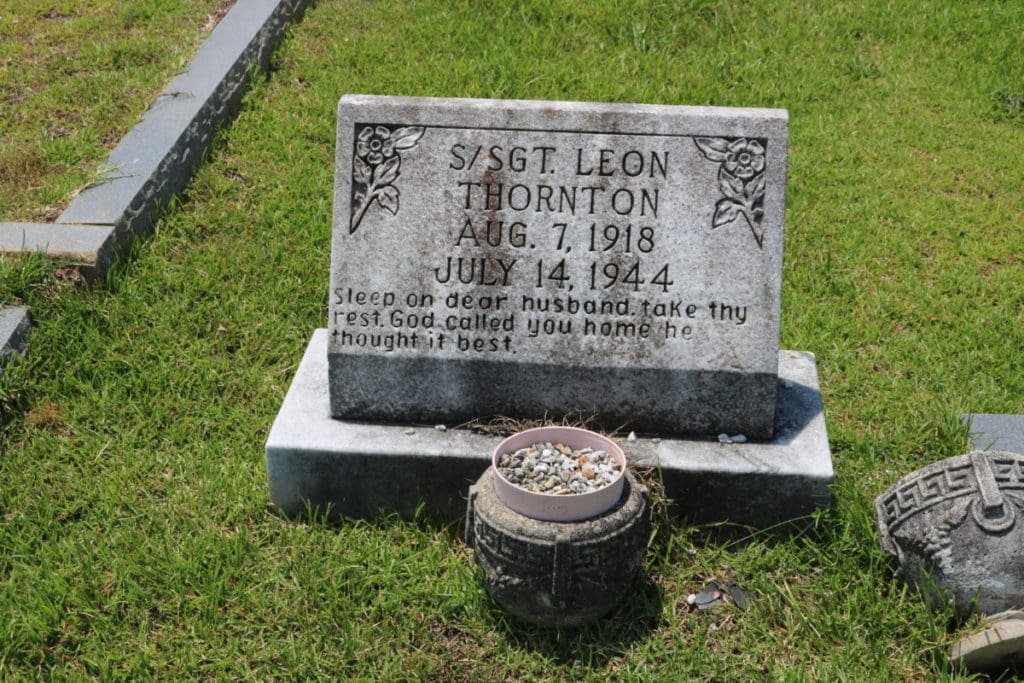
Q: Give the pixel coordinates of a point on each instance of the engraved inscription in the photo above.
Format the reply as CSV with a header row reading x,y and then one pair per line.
x,y
527,243
523,258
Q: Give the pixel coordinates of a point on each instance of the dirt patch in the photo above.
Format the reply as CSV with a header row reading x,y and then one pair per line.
x,y
45,416
19,164
53,13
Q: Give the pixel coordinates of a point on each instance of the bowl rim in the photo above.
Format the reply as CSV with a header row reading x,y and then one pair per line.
x,y
613,449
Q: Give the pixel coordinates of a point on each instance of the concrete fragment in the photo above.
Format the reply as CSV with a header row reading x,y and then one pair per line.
x,y
82,244
156,159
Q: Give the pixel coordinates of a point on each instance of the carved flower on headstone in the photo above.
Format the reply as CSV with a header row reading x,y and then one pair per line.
x,y
745,158
375,168
375,144
740,179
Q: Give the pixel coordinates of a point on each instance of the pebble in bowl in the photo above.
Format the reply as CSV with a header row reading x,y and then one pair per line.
x,y
559,474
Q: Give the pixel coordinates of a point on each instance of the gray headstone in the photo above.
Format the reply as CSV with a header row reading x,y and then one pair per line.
x,y
424,185
530,258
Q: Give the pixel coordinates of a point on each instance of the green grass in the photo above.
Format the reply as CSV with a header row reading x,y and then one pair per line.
x,y
75,75
133,515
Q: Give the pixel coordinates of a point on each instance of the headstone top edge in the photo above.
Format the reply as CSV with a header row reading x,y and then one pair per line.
x,y
443,104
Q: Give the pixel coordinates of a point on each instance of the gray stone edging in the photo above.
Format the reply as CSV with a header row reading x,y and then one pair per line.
x,y
68,241
995,431
156,159
14,327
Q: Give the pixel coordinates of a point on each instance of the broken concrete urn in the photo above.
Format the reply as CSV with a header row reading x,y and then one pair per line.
x,y
955,528
557,573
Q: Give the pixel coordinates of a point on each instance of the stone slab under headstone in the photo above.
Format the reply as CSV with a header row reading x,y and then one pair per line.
x,y
996,432
541,258
361,469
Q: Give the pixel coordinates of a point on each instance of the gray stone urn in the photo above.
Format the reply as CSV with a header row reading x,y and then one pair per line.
x,y
955,528
557,573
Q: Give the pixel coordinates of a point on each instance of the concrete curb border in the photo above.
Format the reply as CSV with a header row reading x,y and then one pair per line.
x,y
156,159
14,327
360,469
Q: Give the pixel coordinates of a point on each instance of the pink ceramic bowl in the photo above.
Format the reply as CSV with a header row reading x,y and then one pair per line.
x,y
550,507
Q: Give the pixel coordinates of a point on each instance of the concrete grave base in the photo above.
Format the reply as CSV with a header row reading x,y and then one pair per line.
x,y
14,327
361,469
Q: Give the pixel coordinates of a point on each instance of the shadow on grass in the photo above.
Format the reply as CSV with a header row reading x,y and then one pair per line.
x,y
734,537
592,645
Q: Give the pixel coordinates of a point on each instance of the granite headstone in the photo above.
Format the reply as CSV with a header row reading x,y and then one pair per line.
x,y
530,258
995,431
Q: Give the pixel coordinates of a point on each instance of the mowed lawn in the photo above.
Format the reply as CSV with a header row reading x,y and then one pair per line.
x,y
75,76
136,538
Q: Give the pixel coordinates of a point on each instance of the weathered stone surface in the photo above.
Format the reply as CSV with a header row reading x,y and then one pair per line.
x,y
531,258
622,261
757,483
557,573
996,432
955,528
361,469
